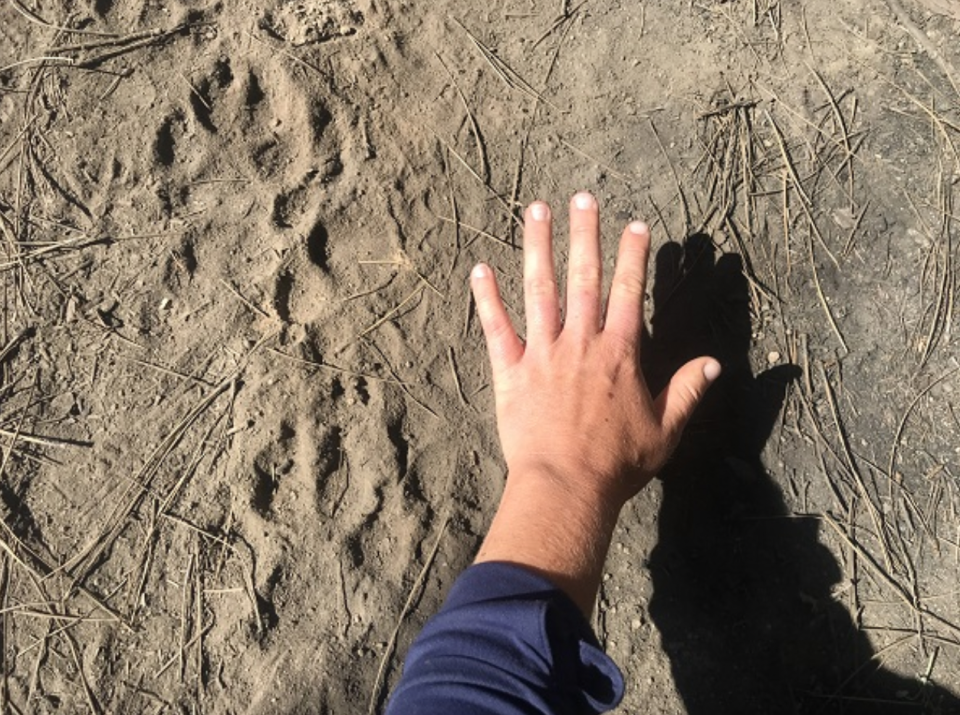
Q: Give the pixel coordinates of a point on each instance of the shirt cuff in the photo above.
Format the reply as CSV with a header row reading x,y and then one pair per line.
x,y
507,640
571,646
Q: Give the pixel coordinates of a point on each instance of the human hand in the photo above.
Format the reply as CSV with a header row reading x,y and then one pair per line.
x,y
573,408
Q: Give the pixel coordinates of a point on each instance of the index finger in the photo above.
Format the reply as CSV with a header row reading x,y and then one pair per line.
x,y
624,318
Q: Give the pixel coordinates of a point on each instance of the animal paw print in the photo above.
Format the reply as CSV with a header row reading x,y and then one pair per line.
x,y
299,473
286,131
206,94
302,23
263,122
271,466
176,131
278,127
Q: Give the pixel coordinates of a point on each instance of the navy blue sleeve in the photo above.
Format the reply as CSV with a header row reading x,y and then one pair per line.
x,y
507,642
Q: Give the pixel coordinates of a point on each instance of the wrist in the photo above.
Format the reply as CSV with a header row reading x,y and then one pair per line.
x,y
551,526
575,487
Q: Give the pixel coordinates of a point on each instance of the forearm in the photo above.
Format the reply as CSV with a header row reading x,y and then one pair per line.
x,y
558,533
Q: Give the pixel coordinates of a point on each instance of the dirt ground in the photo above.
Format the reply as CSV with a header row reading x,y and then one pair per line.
x,y
245,418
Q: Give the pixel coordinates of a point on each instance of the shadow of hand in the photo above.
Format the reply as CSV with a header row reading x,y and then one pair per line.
x,y
742,591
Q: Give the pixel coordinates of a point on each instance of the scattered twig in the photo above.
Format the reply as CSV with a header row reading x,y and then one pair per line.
x,y
854,469
676,178
44,441
493,192
4,631
79,566
411,597
821,296
393,311
289,55
606,167
192,642
898,435
456,378
509,76
35,18
730,107
255,308
925,43
844,134
400,383
482,162
335,368
566,15
14,343
475,230
186,593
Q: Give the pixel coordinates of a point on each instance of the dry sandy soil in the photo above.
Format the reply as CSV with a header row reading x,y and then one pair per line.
x,y
245,416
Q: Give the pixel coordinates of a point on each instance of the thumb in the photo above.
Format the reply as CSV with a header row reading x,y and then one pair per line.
x,y
680,398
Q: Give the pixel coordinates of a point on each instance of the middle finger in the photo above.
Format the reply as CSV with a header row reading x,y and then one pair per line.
x,y
584,273
539,280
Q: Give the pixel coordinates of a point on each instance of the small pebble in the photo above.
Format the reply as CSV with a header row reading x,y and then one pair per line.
x,y
773,358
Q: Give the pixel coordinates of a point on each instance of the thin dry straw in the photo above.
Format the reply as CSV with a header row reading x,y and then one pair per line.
x,y
392,644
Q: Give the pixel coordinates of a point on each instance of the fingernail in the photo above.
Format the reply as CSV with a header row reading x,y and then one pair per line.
x,y
711,370
584,201
481,270
639,228
539,211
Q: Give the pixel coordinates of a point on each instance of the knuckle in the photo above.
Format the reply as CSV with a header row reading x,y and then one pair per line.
x,y
689,397
487,304
587,274
540,287
630,284
620,346
497,327
583,228
491,316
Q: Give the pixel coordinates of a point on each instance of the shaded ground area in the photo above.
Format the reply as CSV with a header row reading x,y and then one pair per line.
x,y
743,590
